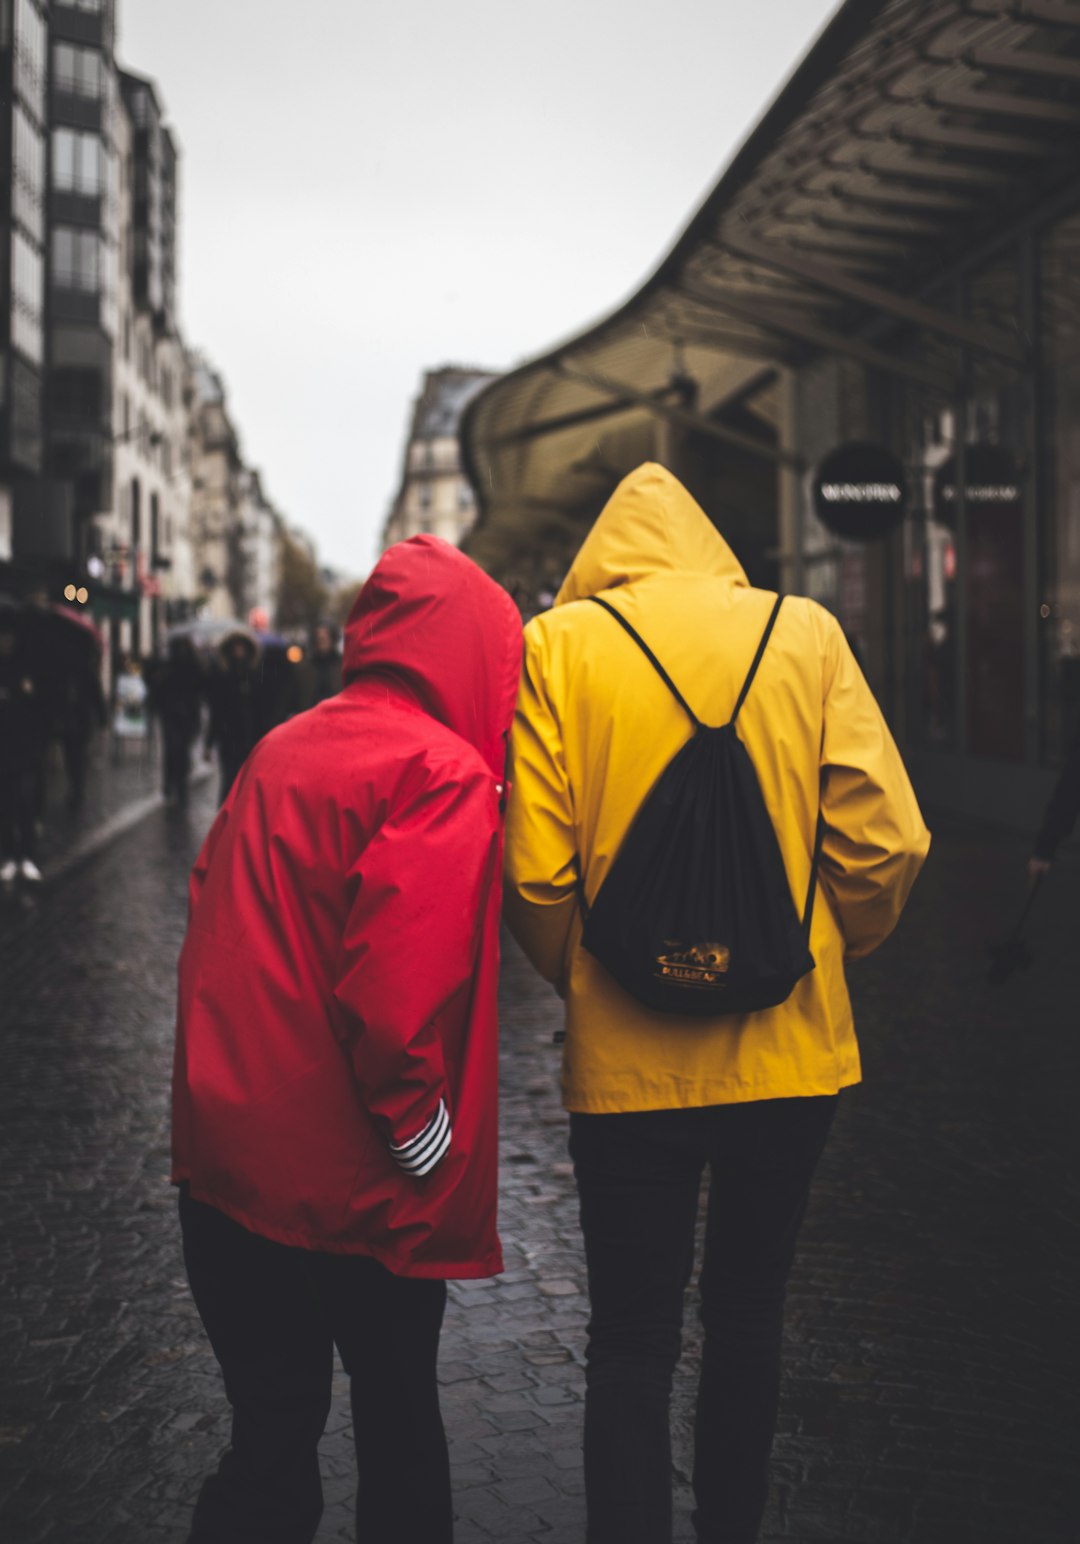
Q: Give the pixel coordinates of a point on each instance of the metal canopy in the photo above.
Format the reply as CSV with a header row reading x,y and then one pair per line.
x,y
913,133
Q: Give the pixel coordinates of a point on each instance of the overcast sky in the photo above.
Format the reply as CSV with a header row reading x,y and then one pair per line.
x,y
370,188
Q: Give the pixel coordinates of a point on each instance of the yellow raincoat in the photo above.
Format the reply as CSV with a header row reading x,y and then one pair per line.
x,y
595,728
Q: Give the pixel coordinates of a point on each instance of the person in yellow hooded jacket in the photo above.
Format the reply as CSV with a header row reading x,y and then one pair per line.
x,y
655,1098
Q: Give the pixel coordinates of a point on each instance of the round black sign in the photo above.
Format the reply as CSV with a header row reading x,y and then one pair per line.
x,y
990,482
860,491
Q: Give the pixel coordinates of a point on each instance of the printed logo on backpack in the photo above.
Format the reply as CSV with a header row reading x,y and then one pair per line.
x,y
696,914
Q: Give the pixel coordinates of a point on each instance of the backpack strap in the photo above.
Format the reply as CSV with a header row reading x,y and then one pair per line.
x,y
653,661
811,891
752,672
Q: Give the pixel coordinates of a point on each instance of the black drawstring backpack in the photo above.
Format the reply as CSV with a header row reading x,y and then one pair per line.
x,y
696,915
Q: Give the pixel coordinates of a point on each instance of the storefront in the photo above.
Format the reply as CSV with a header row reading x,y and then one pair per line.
x,y
887,271
967,615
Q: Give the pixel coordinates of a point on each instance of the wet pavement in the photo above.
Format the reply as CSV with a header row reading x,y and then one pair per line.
x,y
932,1352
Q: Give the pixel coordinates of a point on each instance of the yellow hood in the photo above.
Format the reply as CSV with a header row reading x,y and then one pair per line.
x,y
650,524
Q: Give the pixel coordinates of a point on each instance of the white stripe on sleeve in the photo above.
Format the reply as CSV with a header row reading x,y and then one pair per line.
x,y
421,1153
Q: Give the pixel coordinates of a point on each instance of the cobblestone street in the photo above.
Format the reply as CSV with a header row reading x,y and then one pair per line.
x,y
931,1365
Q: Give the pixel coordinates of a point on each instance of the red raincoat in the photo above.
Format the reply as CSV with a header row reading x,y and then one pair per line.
x,y
337,981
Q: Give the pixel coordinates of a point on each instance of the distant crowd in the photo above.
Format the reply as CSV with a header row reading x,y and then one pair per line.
x,y
221,687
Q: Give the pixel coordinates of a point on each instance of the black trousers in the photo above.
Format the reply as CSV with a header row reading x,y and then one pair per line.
x,y
638,1178
18,809
176,761
273,1315
76,765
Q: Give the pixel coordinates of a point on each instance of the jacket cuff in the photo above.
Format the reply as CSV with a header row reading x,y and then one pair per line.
x,y
421,1153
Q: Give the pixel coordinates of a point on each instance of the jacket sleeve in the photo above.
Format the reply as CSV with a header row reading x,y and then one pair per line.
x,y
875,841
1063,806
541,849
420,890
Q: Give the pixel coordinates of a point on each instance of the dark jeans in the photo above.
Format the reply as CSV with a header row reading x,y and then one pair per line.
x,y
273,1315
638,1178
18,809
177,761
76,765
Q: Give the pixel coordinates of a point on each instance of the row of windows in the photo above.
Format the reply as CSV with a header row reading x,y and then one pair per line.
x,y
30,46
150,443
28,157
79,71
425,500
27,298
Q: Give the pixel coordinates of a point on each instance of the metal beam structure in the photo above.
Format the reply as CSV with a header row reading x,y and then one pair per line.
x,y
1016,61
1045,13
980,141
536,428
993,341
685,418
1000,104
914,169
732,303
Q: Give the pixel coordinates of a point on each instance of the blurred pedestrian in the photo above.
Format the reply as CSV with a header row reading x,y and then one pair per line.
x,y
82,711
177,698
238,709
656,1097
129,704
20,751
334,1091
318,675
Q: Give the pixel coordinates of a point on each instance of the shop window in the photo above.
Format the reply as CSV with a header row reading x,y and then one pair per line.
x,y
997,435
965,538
930,573
1059,608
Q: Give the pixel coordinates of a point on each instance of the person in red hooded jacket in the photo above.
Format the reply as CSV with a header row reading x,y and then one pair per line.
x,y
334,1088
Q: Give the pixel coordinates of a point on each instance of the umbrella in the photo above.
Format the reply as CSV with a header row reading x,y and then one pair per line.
x,y
207,632
1012,953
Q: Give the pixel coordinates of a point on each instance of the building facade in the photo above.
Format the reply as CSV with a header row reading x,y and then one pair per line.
x,y
434,495
261,536
143,539
121,477
24,138
93,485
86,127
217,493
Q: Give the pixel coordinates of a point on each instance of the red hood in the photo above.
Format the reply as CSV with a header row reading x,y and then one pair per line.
x,y
435,624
